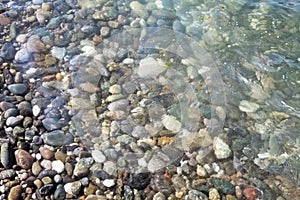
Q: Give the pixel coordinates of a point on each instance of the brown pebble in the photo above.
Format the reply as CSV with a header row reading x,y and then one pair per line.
x,y
60,156
4,20
58,76
38,183
249,193
15,193
35,45
69,169
46,153
23,159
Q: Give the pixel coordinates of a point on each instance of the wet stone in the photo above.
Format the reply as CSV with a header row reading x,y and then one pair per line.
x,y
25,108
18,89
46,153
35,45
82,167
51,124
60,193
14,121
46,189
223,185
54,138
6,105
221,149
11,112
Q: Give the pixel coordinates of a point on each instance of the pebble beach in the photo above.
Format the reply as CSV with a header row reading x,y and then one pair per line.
x,y
153,99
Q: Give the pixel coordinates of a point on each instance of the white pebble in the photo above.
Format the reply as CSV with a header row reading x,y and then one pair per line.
x,y
58,166
46,164
109,182
36,110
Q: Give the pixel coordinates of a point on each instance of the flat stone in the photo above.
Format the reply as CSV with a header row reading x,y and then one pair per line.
x,y
18,89
6,105
248,107
36,168
11,112
54,138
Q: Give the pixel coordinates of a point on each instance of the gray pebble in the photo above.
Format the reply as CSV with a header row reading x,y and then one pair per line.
x,y
6,156
18,89
51,124
7,51
82,167
11,112
54,138
13,121
60,193
98,156
23,56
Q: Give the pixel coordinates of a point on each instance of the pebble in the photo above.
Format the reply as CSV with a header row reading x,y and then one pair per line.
x,y
250,193
35,45
36,110
14,121
60,193
7,51
73,188
150,67
36,168
159,196
18,88
58,52
23,56
25,108
15,192
6,156
8,173
58,166
248,107
221,149
46,164
23,159
110,168
98,156
51,124
54,138
60,156
6,105
46,153
82,167
139,9
109,182
214,194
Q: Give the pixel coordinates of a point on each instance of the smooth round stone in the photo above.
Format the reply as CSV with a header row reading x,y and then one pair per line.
x,y
25,108
46,180
29,134
51,124
248,107
11,112
98,156
14,121
7,51
159,196
46,153
58,166
109,182
23,159
18,88
36,168
57,178
6,105
139,132
54,22
139,9
54,138
23,56
46,164
36,110
15,192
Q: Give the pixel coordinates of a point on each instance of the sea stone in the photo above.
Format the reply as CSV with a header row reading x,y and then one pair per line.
x,y
149,67
35,45
248,107
54,138
23,159
15,192
221,149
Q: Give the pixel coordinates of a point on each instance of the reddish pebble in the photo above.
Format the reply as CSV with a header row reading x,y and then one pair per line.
x,y
23,159
46,153
4,20
249,193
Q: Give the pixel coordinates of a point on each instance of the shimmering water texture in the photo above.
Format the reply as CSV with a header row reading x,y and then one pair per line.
x,y
194,49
